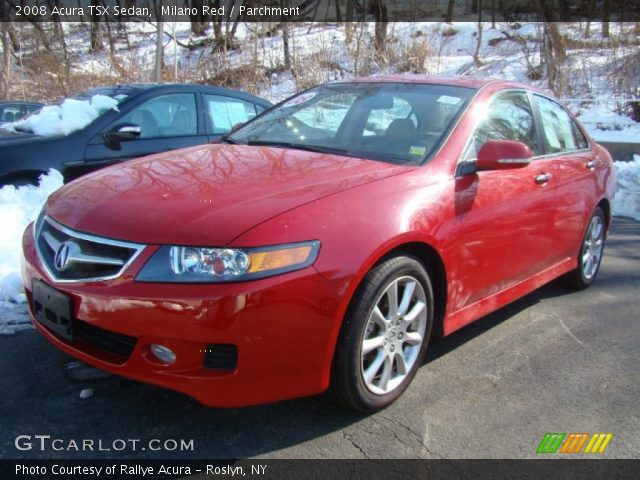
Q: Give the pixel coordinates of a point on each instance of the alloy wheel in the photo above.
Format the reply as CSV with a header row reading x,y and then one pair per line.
x,y
393,335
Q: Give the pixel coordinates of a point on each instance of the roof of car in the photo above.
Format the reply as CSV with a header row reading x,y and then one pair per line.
x,y
20,102
461,81
129,89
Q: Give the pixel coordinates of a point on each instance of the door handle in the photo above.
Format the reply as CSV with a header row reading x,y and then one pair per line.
x,y
591,164
543,178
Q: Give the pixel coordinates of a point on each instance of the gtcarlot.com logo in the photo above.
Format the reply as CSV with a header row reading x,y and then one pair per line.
x,y
574,443
45,443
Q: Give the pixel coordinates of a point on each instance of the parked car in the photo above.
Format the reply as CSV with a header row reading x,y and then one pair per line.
x,y
320,245
13,110
147,119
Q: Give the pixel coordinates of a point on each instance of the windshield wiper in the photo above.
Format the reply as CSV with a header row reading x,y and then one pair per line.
x,y
298,146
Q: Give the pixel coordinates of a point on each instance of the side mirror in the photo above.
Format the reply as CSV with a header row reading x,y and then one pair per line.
x,y
502,155
122,132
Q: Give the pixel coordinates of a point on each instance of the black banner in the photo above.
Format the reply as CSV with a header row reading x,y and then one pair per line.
x,y
317,10
548,469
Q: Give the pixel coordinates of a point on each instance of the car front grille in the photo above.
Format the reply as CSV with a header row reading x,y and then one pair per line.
x,y
71,256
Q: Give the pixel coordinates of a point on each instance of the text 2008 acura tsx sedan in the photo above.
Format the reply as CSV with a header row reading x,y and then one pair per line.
x,y
321,244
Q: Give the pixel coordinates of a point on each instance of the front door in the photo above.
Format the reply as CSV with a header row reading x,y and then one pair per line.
x,y
504,216
167,122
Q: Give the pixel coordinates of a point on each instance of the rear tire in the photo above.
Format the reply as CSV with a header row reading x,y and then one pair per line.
x,y
590,256
384,335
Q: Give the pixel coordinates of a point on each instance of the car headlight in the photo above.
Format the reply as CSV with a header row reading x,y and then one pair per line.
x,y
214,265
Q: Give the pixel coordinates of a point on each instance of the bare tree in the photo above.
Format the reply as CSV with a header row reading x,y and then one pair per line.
x,y
606,14
476,54
95,44
6,60
379,10
159,49
553,50
591,5
199,22
285,45
348,25
449,15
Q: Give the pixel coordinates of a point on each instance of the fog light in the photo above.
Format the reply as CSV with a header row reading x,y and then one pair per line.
x,y
162,353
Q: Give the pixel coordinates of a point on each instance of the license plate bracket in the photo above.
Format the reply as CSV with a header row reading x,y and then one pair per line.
x,y
52,309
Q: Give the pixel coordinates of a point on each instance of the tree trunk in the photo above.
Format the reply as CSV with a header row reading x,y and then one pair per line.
x,y
198,23
449,16
553,52
338,14
606,13
95,44
159,50
380,16
6,61
285,45
493,14
476,54
348,27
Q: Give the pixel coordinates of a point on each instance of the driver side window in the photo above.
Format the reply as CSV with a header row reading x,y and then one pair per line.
x,y
509,117
171,115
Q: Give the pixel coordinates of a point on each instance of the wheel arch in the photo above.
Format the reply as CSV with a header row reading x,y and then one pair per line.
x,y
433,263
605,205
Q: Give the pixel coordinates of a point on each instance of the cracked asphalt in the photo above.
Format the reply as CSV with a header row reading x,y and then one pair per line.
x,y
554,361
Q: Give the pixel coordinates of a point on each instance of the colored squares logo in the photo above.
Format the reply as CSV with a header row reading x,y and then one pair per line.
x,y
574,443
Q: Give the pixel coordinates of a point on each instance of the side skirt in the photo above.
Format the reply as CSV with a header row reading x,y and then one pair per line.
x,y
470,313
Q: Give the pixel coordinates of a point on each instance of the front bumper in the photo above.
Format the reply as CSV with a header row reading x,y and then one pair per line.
x,y
283,327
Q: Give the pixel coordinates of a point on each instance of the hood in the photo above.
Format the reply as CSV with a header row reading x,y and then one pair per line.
x,y
205,195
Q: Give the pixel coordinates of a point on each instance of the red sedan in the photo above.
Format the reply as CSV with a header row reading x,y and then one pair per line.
x,y
319,245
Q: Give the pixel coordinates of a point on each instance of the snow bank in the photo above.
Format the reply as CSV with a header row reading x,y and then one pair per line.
x,y
18,207
71,115
626,203
604,125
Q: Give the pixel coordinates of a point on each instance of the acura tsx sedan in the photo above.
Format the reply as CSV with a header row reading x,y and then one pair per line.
x,y
321,245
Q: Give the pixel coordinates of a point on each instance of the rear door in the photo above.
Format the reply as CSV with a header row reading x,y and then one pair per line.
x,y
574,164
167,122
503,215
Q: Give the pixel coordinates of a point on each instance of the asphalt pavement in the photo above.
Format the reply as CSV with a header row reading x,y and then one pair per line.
x,y
554,361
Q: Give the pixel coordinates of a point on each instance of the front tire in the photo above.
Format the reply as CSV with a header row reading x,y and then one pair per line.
x,y
384,336
591,251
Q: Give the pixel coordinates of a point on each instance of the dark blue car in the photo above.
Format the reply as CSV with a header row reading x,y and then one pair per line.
x,y
149,119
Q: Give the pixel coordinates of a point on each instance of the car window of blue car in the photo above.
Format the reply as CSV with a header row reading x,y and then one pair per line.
x,y
226,112
172,115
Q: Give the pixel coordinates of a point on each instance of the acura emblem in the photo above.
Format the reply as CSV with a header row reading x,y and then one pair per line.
x,y
62,257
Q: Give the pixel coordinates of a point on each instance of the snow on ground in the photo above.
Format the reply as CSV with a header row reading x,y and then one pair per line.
x,y
604,125
69,116
18,207
626,203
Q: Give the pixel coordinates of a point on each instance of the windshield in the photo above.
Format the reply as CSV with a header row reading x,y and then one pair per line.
x,y
73,113
392,122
